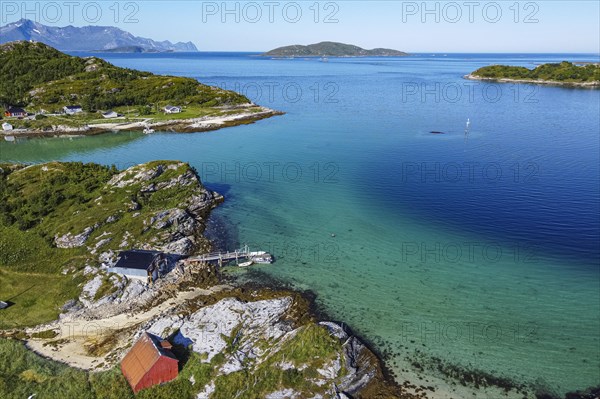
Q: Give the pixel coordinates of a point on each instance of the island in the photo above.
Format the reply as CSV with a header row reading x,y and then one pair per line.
x,y
131,49
73,238
47,92
583,75
331,49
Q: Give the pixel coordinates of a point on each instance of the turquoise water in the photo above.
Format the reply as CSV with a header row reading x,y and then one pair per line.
x,y
482,251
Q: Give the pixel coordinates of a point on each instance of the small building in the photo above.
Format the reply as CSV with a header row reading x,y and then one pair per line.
x,y
7,126
3,305
15,112
139,263
149,362
170,109
110,114
72,109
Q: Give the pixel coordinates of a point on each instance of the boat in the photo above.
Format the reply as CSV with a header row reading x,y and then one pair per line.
x,y
256,253
148,130
7,126
262,259
246,264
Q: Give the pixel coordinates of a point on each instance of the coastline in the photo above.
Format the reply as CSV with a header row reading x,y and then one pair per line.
x,y
190,125
582,85
192,299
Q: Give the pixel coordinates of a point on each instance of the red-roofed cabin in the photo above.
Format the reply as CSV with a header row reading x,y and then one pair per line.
x,y
149,362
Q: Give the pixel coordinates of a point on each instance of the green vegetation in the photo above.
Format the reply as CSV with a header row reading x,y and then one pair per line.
x,y
37,76
41,202
106,288
312,346
23,373
37,297
564,72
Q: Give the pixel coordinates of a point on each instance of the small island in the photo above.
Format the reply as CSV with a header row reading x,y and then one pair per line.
x,y
47,92
585,75
132,50
331,49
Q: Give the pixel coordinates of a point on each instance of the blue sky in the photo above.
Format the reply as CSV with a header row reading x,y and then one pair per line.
x,y
413,26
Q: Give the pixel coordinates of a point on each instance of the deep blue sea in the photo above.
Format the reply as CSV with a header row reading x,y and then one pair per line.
x,y
478,245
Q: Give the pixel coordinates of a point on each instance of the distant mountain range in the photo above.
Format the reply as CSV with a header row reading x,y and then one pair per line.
x,y
87,38
331,49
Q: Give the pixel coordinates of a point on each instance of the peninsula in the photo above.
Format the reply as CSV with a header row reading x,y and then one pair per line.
x,y
331,49
64,227
585,75
46,92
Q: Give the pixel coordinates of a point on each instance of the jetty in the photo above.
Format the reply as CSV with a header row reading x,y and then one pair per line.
x,y
244,254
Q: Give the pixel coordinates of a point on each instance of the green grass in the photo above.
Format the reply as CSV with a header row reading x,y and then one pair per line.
x,y
41,202
40,77
23,373
106,288
312,346
37,298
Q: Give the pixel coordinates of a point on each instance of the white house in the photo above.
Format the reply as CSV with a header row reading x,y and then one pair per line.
x,y
72,109
110,114
170,109
7,126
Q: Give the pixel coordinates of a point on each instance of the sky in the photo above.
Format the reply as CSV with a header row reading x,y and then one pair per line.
x,y
548,26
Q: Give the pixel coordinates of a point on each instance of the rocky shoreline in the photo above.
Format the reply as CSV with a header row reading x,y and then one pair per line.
x,y
237,329
585,85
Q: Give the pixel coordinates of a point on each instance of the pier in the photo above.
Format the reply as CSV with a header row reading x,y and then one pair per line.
x,y
239,254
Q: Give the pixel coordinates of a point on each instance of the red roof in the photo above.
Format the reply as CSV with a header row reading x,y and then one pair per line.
x,y
149,362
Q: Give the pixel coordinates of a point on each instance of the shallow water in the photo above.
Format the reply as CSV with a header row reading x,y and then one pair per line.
x,y
482,250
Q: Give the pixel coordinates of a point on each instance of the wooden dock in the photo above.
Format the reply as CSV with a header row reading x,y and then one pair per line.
x,y
240,254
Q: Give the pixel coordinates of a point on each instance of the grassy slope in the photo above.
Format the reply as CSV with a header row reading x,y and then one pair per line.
x,y
39,77
42,201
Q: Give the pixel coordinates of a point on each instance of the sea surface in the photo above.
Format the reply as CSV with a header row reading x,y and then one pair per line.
x,y
476,248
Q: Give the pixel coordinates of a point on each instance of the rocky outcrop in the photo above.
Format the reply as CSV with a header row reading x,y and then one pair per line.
x,y
259,330
138,174
73,241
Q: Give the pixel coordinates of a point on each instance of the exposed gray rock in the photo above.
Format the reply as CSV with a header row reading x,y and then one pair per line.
x,y
73,241
183,246
200,203
135,175
207,327
185,179
133,206
283,394
182,222
90,289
